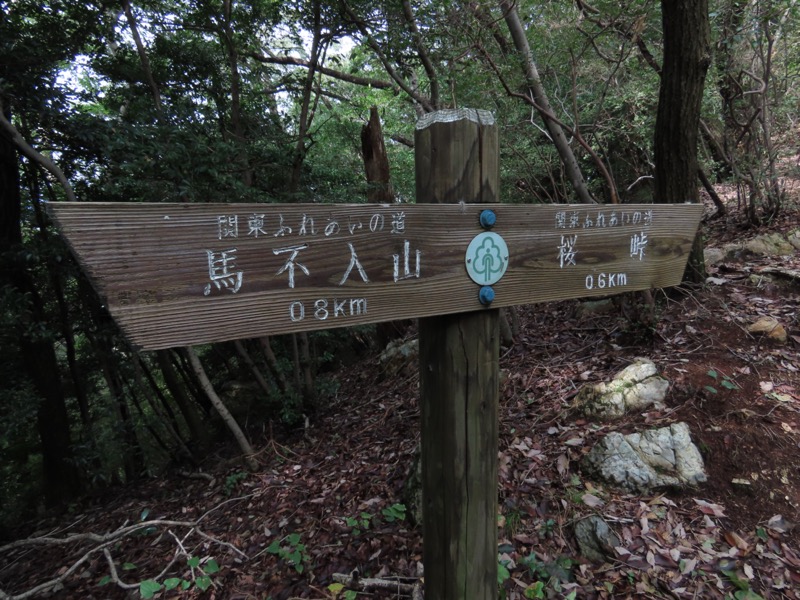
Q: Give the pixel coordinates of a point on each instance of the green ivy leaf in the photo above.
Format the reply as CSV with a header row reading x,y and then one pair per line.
x,y
710,388
535,590
193,561
274,547
211,567
712,373
149,588
728,384
172,583
128,566
740,583
185,585
335,588
144,514
203,582
503,574
293,538
105,580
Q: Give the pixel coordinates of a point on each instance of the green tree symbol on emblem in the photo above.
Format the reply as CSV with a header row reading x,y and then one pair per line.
x,y
488,259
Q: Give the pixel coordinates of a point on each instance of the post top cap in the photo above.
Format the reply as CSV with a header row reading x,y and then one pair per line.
x,y
449,115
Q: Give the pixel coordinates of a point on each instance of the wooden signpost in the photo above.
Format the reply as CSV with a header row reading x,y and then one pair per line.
x,y
187,274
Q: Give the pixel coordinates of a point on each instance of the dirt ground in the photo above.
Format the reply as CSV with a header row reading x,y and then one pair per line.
x,y
326,497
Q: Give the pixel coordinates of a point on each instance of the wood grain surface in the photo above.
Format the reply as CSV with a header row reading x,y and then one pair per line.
x,y
185,274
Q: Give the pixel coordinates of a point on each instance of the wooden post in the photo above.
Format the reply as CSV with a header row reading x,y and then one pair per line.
x,y
456,155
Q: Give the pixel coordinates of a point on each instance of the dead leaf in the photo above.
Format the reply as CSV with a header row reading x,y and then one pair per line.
x,y
689,566
735,540
779,524
562,464
710,508
592,501
766,386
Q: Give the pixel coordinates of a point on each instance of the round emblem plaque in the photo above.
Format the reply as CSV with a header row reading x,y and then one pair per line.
x,y
486,258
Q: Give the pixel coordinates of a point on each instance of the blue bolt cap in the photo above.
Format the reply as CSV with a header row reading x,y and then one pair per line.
x,y
486,295
488,218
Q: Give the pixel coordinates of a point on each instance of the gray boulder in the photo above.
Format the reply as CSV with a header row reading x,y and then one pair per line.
x,y
640,462
595,538
636,387
399,357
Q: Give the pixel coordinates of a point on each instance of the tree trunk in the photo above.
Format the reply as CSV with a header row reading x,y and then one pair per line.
x,y
687,55
568,159
376,163
254,370
272,365
197,430
227,417
38,354
306,110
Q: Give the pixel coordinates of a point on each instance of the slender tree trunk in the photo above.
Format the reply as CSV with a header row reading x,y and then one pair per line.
x,y
184,369
272,365
687,56
227,417
560,141
306,110
254,370
60,477
307,388
56,281
236,99
137,39
197,431
167,420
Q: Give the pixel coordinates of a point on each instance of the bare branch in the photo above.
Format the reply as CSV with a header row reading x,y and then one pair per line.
x,y
37,157
421,100
105,541
341,75
408,13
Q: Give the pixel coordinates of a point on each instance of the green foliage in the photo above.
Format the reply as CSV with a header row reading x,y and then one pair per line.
x,y
503,574
201,573
534,590
291,550
725,382
338,591
233,480
359,523
149,588
396,512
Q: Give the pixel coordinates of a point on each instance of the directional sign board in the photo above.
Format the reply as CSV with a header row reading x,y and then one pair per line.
x,y
186,274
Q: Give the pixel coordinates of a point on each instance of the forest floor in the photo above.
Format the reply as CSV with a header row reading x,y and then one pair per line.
x,y
326,497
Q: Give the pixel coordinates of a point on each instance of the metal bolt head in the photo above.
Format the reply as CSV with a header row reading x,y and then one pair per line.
x,y
486,295
488,219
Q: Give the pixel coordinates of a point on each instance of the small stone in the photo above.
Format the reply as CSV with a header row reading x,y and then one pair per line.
x,y
399,357
713,256
770,244
590,308
770,327
637,387
595,538
794,238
